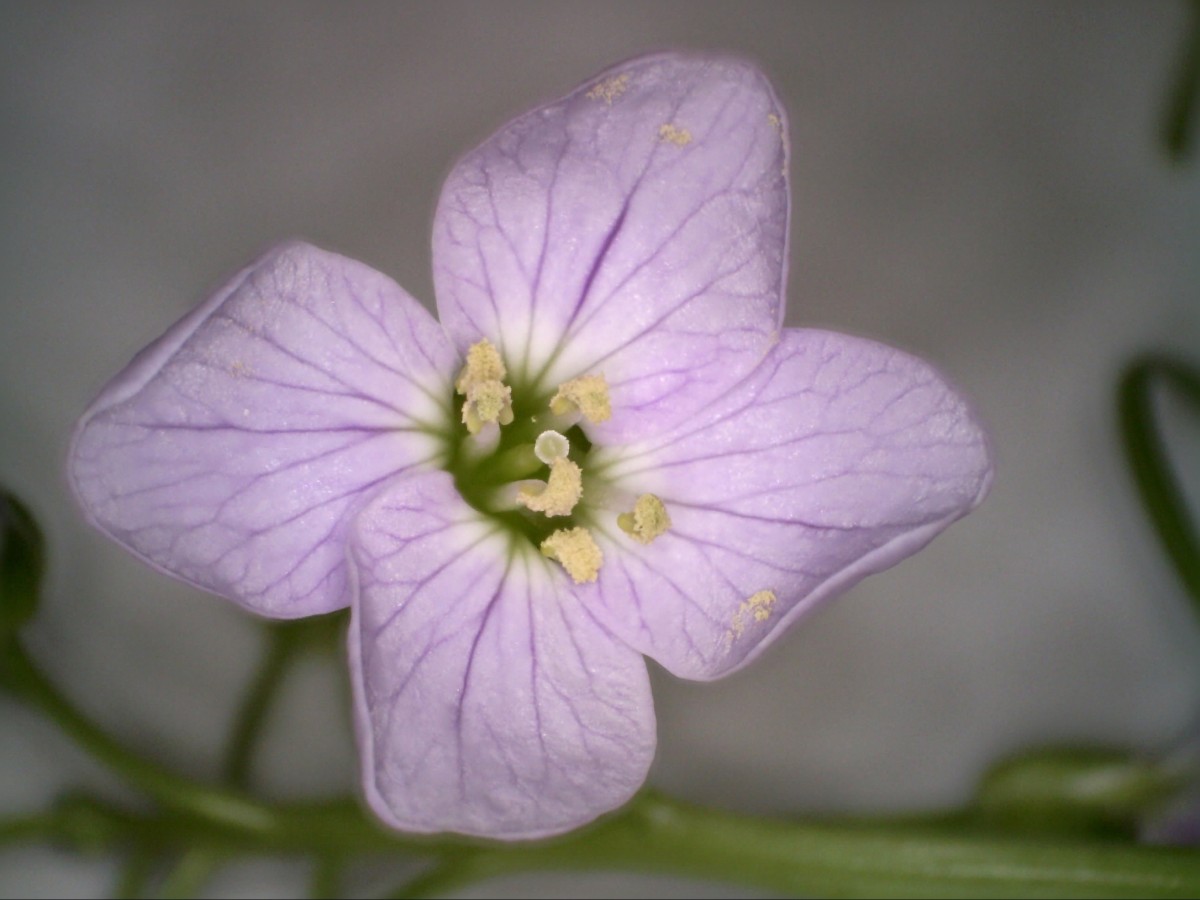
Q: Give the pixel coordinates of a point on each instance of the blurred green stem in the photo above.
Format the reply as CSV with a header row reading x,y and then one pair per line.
x,y
325,883
335,826
284,641
652,834
1179,115
657,835
1144,448
24,678
192,871
135,873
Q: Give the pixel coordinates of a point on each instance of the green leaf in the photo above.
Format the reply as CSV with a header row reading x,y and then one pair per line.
x,y
1074,790
22,560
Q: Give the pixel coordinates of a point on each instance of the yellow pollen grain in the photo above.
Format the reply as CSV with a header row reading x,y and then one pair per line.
x,y
561,493
577,551
609,89
757,606
648,520
673,134
777,123
588,394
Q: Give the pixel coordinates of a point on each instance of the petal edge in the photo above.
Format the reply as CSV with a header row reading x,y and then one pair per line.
x,y
836,459
230,451
487,700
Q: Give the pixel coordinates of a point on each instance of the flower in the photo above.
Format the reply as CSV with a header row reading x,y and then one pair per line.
x,y
608,448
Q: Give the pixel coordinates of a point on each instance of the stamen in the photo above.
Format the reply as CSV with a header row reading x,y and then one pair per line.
x,y
648,520
561,493
550,445
588,394
577,551
482,383
482,443
487,401
483,364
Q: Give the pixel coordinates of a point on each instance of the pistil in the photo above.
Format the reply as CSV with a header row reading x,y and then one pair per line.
x,y
550,446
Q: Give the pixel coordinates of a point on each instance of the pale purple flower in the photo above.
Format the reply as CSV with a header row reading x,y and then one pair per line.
x,y
297,444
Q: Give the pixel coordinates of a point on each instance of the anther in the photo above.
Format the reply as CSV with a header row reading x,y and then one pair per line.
x,y
587,395
648,520
488,398
577,551
561,493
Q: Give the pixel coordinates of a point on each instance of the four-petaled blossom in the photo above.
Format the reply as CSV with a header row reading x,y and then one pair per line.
x,y
608,447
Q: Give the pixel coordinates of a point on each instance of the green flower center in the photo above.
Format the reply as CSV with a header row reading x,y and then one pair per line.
x,y
490,470
521,457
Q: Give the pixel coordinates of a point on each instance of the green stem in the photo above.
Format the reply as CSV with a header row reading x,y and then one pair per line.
x,y
1156,483
656,835
134,874
190,874
28,829
652,834
283,644
227,807
445,875
1179,116
336,826
325,883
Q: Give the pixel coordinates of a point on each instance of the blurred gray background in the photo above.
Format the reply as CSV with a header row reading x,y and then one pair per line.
x,y
977,183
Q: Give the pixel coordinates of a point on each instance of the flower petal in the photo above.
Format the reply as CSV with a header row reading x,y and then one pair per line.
x,y
488,700
229,452
636,228
836,458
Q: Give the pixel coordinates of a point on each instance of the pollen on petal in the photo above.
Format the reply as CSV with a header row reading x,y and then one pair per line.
x,y
648,520
577,551
561,493
673,134
588,394
609,89
757,606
